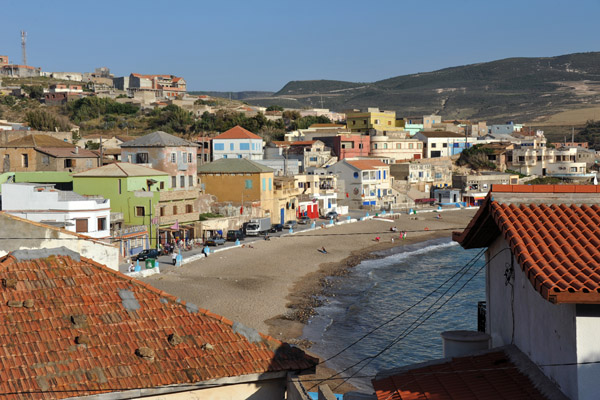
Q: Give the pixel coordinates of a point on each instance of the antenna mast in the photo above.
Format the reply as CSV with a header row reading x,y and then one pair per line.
x,y
23,46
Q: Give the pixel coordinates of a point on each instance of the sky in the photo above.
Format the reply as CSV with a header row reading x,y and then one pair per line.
x,y
230,45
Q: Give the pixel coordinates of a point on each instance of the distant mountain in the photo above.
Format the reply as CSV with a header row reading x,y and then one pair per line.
x,y
523,89
233,95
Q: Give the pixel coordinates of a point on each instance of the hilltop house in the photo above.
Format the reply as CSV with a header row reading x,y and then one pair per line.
x,y
104,335
237,142
34,152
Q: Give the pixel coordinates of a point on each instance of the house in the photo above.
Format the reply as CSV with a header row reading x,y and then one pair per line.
x,y
366,182
102,334
476,186
237,142
242,183
318,194
164,86
373,119
40,202
348,145
34,152
143,197
395,147
23,234
543,161
542,278
310,153
108,141
19,71
423,175
507,128
164,152
444,144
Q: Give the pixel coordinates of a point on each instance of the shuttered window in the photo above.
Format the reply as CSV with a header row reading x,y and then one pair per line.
x,y
81,225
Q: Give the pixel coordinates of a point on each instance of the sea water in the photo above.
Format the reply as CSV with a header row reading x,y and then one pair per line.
x,y
382,292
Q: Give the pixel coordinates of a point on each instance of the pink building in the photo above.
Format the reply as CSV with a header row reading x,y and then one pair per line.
x,y
351,145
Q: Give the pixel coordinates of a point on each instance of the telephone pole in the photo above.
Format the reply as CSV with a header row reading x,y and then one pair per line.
x,y
23,46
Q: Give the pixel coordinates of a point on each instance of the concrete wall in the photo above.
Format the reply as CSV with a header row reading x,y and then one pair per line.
x,y
545,332
25,234
588,349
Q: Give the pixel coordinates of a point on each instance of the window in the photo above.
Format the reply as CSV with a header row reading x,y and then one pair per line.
x,y
119,186
244,146
173,182
264,184
184,158
360,145
45,159
375,146
190,181
433,145
141,158
140,211
398,145
356,175
419,145
162,211
573,169
6,162
25,161
312,159
270,184
385,145
81,225
219,146
248,184
353,122
173,157
88,163
231,146
174,210
189,208
377,121
162,185
102,224
69,163
444,145
189,158
182,181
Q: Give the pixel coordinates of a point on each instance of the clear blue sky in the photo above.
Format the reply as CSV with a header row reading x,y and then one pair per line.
x,y
261,45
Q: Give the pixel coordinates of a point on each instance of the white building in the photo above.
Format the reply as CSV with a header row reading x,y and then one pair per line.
x,y
394,147
237,142
543,278
444,144
89,216
543,161
366,182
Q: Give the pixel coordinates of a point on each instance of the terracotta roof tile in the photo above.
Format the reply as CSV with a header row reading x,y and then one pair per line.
x,y
79,338
486,376
237,132
366,164
556,245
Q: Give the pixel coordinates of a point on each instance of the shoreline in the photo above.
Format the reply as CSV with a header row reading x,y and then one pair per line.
x,y
274,286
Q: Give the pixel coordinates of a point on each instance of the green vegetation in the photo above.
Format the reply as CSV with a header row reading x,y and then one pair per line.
x,y
92,107
476,157
274,108
205,216
34,92
591,134
41,120
172,119
546,180
224,120
513,172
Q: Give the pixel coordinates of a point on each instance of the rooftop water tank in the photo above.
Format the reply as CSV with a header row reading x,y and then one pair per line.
x,y
462,343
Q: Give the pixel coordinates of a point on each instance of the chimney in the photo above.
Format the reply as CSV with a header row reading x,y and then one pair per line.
x,y
76,150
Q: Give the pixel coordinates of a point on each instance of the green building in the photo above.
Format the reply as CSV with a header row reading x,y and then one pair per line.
x,y
134,193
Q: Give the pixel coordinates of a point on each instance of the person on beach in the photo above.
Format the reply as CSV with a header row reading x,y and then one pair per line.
x,y
377,238
174,257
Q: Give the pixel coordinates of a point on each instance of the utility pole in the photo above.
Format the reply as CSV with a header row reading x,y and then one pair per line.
x,y
23,46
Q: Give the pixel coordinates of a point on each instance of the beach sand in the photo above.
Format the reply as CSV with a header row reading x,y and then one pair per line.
x,y
272,286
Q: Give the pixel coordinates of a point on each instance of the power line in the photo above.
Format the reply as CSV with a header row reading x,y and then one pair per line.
x,y
410,328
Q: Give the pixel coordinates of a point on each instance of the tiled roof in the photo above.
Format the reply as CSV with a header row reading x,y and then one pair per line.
x,y
556,245
491,375
120,169
32,140
72,327
62,152
233,165
366,164
237,132
327,126
158,139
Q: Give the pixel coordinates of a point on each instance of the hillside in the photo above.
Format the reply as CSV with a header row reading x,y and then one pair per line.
x,y
523,89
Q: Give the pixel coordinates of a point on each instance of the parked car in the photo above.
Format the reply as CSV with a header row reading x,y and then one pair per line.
x,y
215,241
304,220
234,235
145,254
276,228
331,215
290,224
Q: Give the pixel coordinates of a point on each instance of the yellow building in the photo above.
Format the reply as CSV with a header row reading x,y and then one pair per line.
x,y
241,182
373,118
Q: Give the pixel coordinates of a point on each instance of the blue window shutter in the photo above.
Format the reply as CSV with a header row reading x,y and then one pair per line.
x,y
231,146
264,184
379,174
270,184
384,174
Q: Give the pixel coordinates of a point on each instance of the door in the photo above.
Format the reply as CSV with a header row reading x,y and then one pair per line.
x,y
282,215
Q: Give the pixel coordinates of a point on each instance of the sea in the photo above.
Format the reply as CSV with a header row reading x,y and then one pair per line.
x,y
390,311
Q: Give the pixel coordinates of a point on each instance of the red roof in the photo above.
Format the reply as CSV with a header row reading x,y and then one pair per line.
x,y
556,245
74,327
486,376
366,164
237,132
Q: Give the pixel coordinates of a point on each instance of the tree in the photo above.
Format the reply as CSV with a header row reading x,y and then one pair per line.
x,y
41,120
34,92
274,108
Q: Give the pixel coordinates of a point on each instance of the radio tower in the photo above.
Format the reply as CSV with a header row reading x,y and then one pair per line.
x,y
23,46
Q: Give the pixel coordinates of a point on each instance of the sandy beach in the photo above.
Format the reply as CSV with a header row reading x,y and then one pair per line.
x,y
271,286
